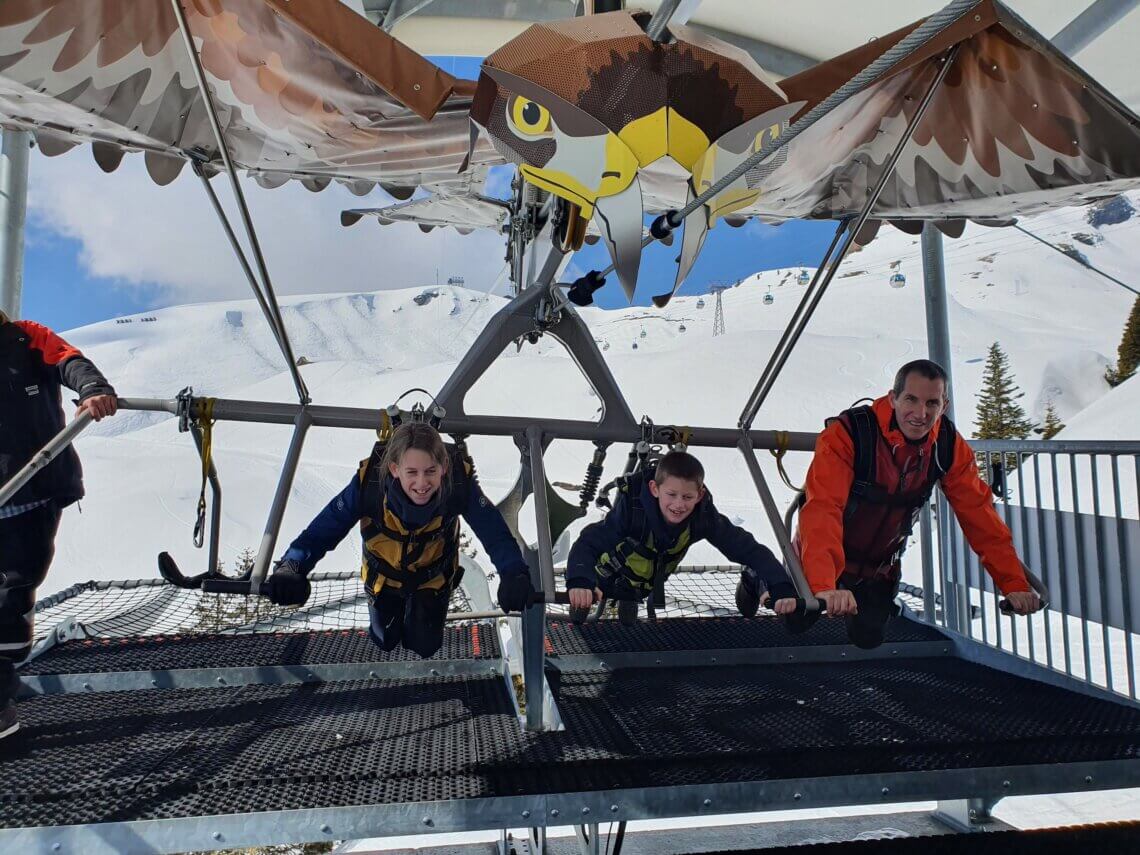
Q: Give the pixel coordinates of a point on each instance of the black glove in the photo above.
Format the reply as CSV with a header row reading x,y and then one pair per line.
x,y
288,585
515,593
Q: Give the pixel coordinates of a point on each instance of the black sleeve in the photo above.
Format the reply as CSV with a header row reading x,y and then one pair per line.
x,y
595,539
79,373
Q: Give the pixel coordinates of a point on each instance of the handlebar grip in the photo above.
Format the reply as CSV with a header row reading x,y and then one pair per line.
x,y
232,586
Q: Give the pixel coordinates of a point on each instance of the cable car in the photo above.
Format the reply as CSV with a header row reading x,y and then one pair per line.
x,y
803,278
769,299
606,346
681,328
898,280
642,333
700,302
635,345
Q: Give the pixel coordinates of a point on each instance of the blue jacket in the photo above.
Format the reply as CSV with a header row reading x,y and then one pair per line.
x,y
332,524
705,523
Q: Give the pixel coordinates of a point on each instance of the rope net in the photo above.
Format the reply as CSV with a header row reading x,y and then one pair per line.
x,y
338,601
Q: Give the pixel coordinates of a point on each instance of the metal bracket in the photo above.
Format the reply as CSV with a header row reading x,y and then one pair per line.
x,y
967,816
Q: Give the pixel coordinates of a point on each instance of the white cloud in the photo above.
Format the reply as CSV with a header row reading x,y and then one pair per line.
x,y
133,232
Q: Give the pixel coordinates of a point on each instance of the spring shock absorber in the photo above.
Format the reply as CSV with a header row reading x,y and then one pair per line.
x,y
593,475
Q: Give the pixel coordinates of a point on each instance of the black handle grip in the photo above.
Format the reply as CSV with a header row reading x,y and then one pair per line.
x,y
232,586
802,609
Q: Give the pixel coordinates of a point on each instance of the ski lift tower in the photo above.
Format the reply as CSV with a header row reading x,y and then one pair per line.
x,y
718,289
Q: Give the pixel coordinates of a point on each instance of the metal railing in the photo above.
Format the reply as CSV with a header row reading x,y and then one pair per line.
x,y
1072,508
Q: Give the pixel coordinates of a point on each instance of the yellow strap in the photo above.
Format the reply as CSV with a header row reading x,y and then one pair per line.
x,y
206,426
384,432
783,440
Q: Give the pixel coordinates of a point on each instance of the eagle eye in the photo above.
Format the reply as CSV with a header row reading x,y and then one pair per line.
x,y
528,117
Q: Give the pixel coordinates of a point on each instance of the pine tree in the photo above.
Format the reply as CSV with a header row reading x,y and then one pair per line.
x,y
1128,354
1052,424
999,414
217,612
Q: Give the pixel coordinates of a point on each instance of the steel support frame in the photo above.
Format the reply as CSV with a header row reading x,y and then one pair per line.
x,y
519,318
359,418
564,809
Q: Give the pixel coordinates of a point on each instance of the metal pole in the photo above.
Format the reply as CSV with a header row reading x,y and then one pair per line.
x,y
534,618
46,455
243,209
280,499
1091,24
937,306
797,325
13,210
783,536
541,512
660,20
926,532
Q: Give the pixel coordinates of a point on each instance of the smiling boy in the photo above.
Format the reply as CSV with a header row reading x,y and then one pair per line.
x,y
658,515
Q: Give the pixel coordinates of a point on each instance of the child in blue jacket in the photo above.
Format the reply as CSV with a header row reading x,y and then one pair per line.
x,y
408,497
650,528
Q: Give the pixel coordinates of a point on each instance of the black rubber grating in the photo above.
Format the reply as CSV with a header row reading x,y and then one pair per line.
x,y
184,753
466,641
1117,837
606,636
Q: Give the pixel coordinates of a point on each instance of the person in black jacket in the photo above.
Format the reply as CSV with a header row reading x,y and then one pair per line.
x,y
408,497
34,363
648,531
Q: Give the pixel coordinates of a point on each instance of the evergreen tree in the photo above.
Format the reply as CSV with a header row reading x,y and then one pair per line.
x,y
1052,424
1128,354
999,414
217,612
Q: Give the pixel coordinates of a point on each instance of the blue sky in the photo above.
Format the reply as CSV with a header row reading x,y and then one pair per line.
x,y
69,282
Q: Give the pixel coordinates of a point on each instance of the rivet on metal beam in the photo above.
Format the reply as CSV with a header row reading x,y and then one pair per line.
x,y
886,791
554,811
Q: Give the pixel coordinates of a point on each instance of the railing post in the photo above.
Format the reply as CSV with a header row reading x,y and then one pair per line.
x,y
926,532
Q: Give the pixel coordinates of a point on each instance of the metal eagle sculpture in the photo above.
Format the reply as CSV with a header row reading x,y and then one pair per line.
x,y
615,124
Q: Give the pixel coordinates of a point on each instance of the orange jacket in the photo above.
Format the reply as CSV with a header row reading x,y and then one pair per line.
x,y
829,480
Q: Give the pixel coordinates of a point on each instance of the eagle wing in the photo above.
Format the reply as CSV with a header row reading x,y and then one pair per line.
x,y
305,91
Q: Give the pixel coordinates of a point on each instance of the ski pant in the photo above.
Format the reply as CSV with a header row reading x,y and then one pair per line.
x,y
875,600
415,620
27,544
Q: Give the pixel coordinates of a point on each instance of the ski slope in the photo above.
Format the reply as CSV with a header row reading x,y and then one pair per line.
x,y
1059,323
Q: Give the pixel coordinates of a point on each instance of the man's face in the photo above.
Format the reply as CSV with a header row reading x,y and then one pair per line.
x,y
676,497
919,405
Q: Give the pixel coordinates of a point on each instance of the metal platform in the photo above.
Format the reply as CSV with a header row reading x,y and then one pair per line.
x,y
294,753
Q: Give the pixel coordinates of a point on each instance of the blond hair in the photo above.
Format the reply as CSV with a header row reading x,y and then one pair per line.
x,y
419,436
3,317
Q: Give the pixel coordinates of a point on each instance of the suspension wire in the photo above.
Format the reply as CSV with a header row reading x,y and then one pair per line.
x,y
1085,264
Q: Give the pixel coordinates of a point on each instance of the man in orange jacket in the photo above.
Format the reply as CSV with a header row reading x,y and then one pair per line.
x,y
874,468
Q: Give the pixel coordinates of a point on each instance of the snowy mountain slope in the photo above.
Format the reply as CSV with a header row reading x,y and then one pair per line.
x,y
1059,323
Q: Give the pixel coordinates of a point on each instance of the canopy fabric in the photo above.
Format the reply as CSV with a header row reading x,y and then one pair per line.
x,y
309,90
313,92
